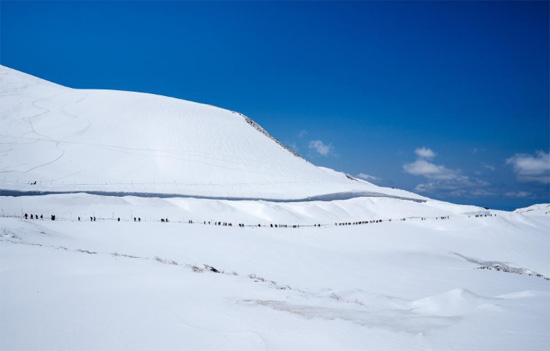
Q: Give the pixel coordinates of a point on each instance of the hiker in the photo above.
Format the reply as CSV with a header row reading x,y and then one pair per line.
x,y
118,219
162,220
91,219
41,217
94,218
139,219
26,216
79,219
32,217
53,217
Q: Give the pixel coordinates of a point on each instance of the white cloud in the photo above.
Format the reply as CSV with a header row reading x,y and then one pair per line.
x,y
530,168
481,193
518,194
424,152
429,170
367,177
321,148
462,186
443,180
302,133
488,167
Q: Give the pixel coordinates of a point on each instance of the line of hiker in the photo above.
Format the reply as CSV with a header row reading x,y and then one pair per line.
x,y
35,216
223,224
271,225
285,226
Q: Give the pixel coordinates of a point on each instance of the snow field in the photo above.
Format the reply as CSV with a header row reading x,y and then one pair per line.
x,y
391,286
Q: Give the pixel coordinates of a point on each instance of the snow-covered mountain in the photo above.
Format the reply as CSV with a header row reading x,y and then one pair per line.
x,y
60,139
367,270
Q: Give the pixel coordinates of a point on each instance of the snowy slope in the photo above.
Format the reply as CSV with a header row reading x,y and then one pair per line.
x,y
535,210
113,141
461,283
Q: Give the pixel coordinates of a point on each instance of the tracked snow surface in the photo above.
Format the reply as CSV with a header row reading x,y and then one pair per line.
x,y
184,226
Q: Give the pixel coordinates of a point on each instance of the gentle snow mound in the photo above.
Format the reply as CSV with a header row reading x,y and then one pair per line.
x,y
454,302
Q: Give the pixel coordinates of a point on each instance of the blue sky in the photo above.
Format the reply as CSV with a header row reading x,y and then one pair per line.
x,y
448,99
